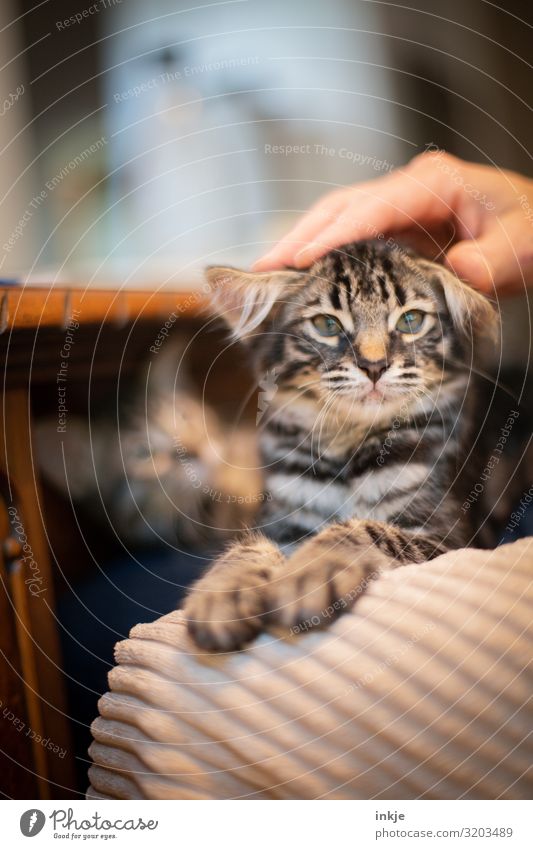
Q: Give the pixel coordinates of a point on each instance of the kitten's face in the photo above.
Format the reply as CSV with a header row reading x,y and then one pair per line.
x,y
366,333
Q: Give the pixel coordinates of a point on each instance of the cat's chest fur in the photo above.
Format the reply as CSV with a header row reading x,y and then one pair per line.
x,y
370,494
309,489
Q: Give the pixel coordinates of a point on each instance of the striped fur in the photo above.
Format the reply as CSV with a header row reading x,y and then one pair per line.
x,y
363,442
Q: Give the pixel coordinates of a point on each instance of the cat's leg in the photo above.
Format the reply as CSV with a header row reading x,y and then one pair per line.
x,y
327,574
224,608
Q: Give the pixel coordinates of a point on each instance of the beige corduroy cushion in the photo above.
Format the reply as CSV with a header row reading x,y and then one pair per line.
x,y
423,690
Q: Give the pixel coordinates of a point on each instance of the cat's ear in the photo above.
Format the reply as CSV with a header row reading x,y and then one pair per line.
x,y
471,312
246,299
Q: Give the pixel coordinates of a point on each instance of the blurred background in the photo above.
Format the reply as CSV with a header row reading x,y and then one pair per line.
x,y
141,141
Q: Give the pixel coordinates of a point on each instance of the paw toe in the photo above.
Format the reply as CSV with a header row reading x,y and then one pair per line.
x,y
216,623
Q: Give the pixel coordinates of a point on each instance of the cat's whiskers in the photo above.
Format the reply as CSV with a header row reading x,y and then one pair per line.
x,y
249,395
324,414
278,410
345,426
321,419
310,383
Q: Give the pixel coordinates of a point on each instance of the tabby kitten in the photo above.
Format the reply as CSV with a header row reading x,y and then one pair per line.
x,y
157,465
363,442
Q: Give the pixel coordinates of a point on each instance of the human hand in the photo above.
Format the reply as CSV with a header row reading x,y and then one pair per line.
x,y
479,219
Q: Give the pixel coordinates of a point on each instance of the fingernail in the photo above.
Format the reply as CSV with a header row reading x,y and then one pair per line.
x,y
301,257
262,261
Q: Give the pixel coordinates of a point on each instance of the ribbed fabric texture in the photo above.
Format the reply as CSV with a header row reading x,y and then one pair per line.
x,y
423,691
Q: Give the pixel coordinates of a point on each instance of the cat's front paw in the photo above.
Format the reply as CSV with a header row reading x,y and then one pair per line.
x,y
225,609
314,592
224,617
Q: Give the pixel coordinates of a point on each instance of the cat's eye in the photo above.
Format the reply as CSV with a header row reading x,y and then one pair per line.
x,y
327,325
410,321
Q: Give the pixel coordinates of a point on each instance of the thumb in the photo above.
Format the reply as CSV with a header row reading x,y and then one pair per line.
x,y
500,258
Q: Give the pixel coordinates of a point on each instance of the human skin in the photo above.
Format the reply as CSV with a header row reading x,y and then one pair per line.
x,y
476,218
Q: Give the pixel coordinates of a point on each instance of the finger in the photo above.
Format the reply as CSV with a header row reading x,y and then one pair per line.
x,y
370,218
398,205
352,221
420,195
318,217
501,259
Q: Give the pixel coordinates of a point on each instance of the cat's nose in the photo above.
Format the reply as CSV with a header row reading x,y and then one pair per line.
x,y
373,368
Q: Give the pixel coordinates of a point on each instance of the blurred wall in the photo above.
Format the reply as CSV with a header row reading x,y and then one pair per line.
x,y
228,120
17,185
460,75
168,135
